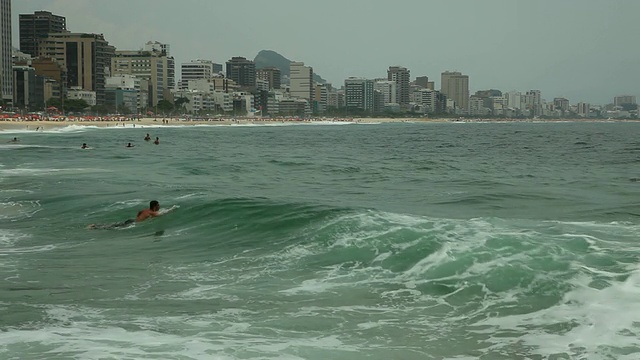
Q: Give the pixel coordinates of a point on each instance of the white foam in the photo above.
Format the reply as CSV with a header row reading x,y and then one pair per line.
x,y
10,238
46,171
18,209
602,320
87,333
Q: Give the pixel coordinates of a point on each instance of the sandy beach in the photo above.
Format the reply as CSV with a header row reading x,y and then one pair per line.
x,y
32,124
52,123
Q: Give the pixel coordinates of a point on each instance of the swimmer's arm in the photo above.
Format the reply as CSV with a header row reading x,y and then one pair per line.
x,y
164,211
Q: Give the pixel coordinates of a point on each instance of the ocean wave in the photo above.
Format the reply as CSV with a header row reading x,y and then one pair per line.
x,y
468,273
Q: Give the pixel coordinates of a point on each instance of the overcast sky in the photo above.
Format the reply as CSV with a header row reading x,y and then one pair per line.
x,y
585,50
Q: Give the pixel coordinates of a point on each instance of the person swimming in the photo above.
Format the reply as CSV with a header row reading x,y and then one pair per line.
x,y
84,146
157,141
147,138
144,214
130,145
14,140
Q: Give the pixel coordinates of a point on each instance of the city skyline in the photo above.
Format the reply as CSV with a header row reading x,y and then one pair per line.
x,y
500,44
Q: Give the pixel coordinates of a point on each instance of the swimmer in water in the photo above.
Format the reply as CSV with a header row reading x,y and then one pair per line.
x,y
144,214
84,146
130,145
147,138
14,140
157,142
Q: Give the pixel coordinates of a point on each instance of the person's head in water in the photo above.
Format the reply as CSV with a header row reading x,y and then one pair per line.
x,y
154,205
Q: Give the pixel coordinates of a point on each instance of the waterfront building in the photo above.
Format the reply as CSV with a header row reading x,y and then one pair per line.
x,y
514,100
401,76
28,90
36,26
388,89
151,64
128,91
498,105
335,100
624,100
476,106
583,109
301,81
86,57
534,102
242,71
168,65
430,101
78,93
272,75
561,104
196,70
6,61
359,94
320,97
455,86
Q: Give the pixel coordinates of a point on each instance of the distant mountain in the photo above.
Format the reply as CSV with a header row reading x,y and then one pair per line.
x,y
270,58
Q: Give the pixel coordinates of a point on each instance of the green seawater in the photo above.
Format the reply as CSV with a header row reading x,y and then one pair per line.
x,y
383,241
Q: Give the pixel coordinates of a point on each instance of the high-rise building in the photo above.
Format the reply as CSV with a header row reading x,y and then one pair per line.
x,y
37,26
561,104
86,57
422,81
6,61
272,75
583,109
301,81
455,86
149,66
624,100
196,70
54,74
242,71
320,97
169,64
535,97
359,94
25,93
401,76
388,90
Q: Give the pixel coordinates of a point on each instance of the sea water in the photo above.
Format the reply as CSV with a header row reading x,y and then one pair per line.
x,y
389,241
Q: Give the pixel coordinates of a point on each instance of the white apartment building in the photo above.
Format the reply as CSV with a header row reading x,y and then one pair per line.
x,y
301,81
130,83
154,67
195,70
426,99
389,90
76,92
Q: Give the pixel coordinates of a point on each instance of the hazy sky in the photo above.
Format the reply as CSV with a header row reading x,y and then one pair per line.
x,y
585,50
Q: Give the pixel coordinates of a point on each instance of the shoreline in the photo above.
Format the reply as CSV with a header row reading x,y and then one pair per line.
x,y
33,124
